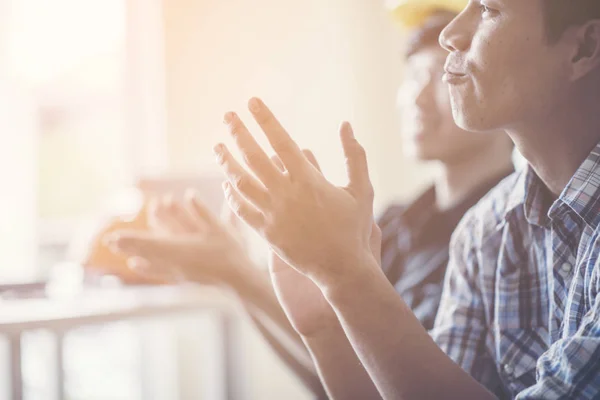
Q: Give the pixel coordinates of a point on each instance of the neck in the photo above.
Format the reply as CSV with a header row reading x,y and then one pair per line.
x,y
457,180
557,145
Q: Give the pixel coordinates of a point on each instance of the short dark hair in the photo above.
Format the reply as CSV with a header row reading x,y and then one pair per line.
x,y
562,14
428,34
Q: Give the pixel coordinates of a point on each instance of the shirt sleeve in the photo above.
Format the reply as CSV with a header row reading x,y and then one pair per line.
x,y
570,369
460,329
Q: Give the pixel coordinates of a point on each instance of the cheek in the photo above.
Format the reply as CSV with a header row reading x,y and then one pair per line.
x,y
507,60
498,52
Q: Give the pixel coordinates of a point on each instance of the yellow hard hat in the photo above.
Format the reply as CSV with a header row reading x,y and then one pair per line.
x,y
412,13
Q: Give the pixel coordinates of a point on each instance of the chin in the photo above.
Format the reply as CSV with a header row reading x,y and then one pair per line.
x,y
469,114
473,120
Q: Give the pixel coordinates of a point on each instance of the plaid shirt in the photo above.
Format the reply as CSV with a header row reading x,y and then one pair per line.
x,y
415,246
520,310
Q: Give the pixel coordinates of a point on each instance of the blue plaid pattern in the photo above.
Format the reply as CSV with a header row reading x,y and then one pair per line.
x,y
520,310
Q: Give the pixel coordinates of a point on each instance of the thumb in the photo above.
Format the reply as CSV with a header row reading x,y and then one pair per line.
x,y
356,163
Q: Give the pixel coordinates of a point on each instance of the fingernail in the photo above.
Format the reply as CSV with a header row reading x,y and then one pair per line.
x,y
228,118
254,105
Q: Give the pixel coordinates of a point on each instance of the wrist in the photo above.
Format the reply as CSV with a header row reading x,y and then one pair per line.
x,y
331,328
367,291
361,272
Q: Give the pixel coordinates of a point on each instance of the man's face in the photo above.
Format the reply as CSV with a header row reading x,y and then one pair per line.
x,y
428,128
502,71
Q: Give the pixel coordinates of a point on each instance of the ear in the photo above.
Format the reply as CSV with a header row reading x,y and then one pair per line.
x,y
586,55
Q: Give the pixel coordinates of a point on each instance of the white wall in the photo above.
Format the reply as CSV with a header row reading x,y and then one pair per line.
x,y
316,63
18,139
18,211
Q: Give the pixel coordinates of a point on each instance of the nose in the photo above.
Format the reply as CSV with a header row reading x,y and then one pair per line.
x,y
457,35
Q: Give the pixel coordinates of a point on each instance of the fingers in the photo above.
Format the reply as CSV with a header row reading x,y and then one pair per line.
x,y
175,214
312,159
152,215
243,182
152,256
142,244
168,215
307,153
356,163
287,150
242,207
163,271
198,210
254,156
277,161
138,264
159,219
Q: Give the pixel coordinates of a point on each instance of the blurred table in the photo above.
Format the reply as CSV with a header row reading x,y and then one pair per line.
x,y
100,306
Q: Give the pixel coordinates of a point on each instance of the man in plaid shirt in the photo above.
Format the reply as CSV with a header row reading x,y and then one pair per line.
x,y
520,311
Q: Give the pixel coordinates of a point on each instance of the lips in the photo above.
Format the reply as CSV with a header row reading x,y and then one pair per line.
x,y
454,78
454,70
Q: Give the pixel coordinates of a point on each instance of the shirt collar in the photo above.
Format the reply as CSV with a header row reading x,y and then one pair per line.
x,y
582,194
421,207
528,195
